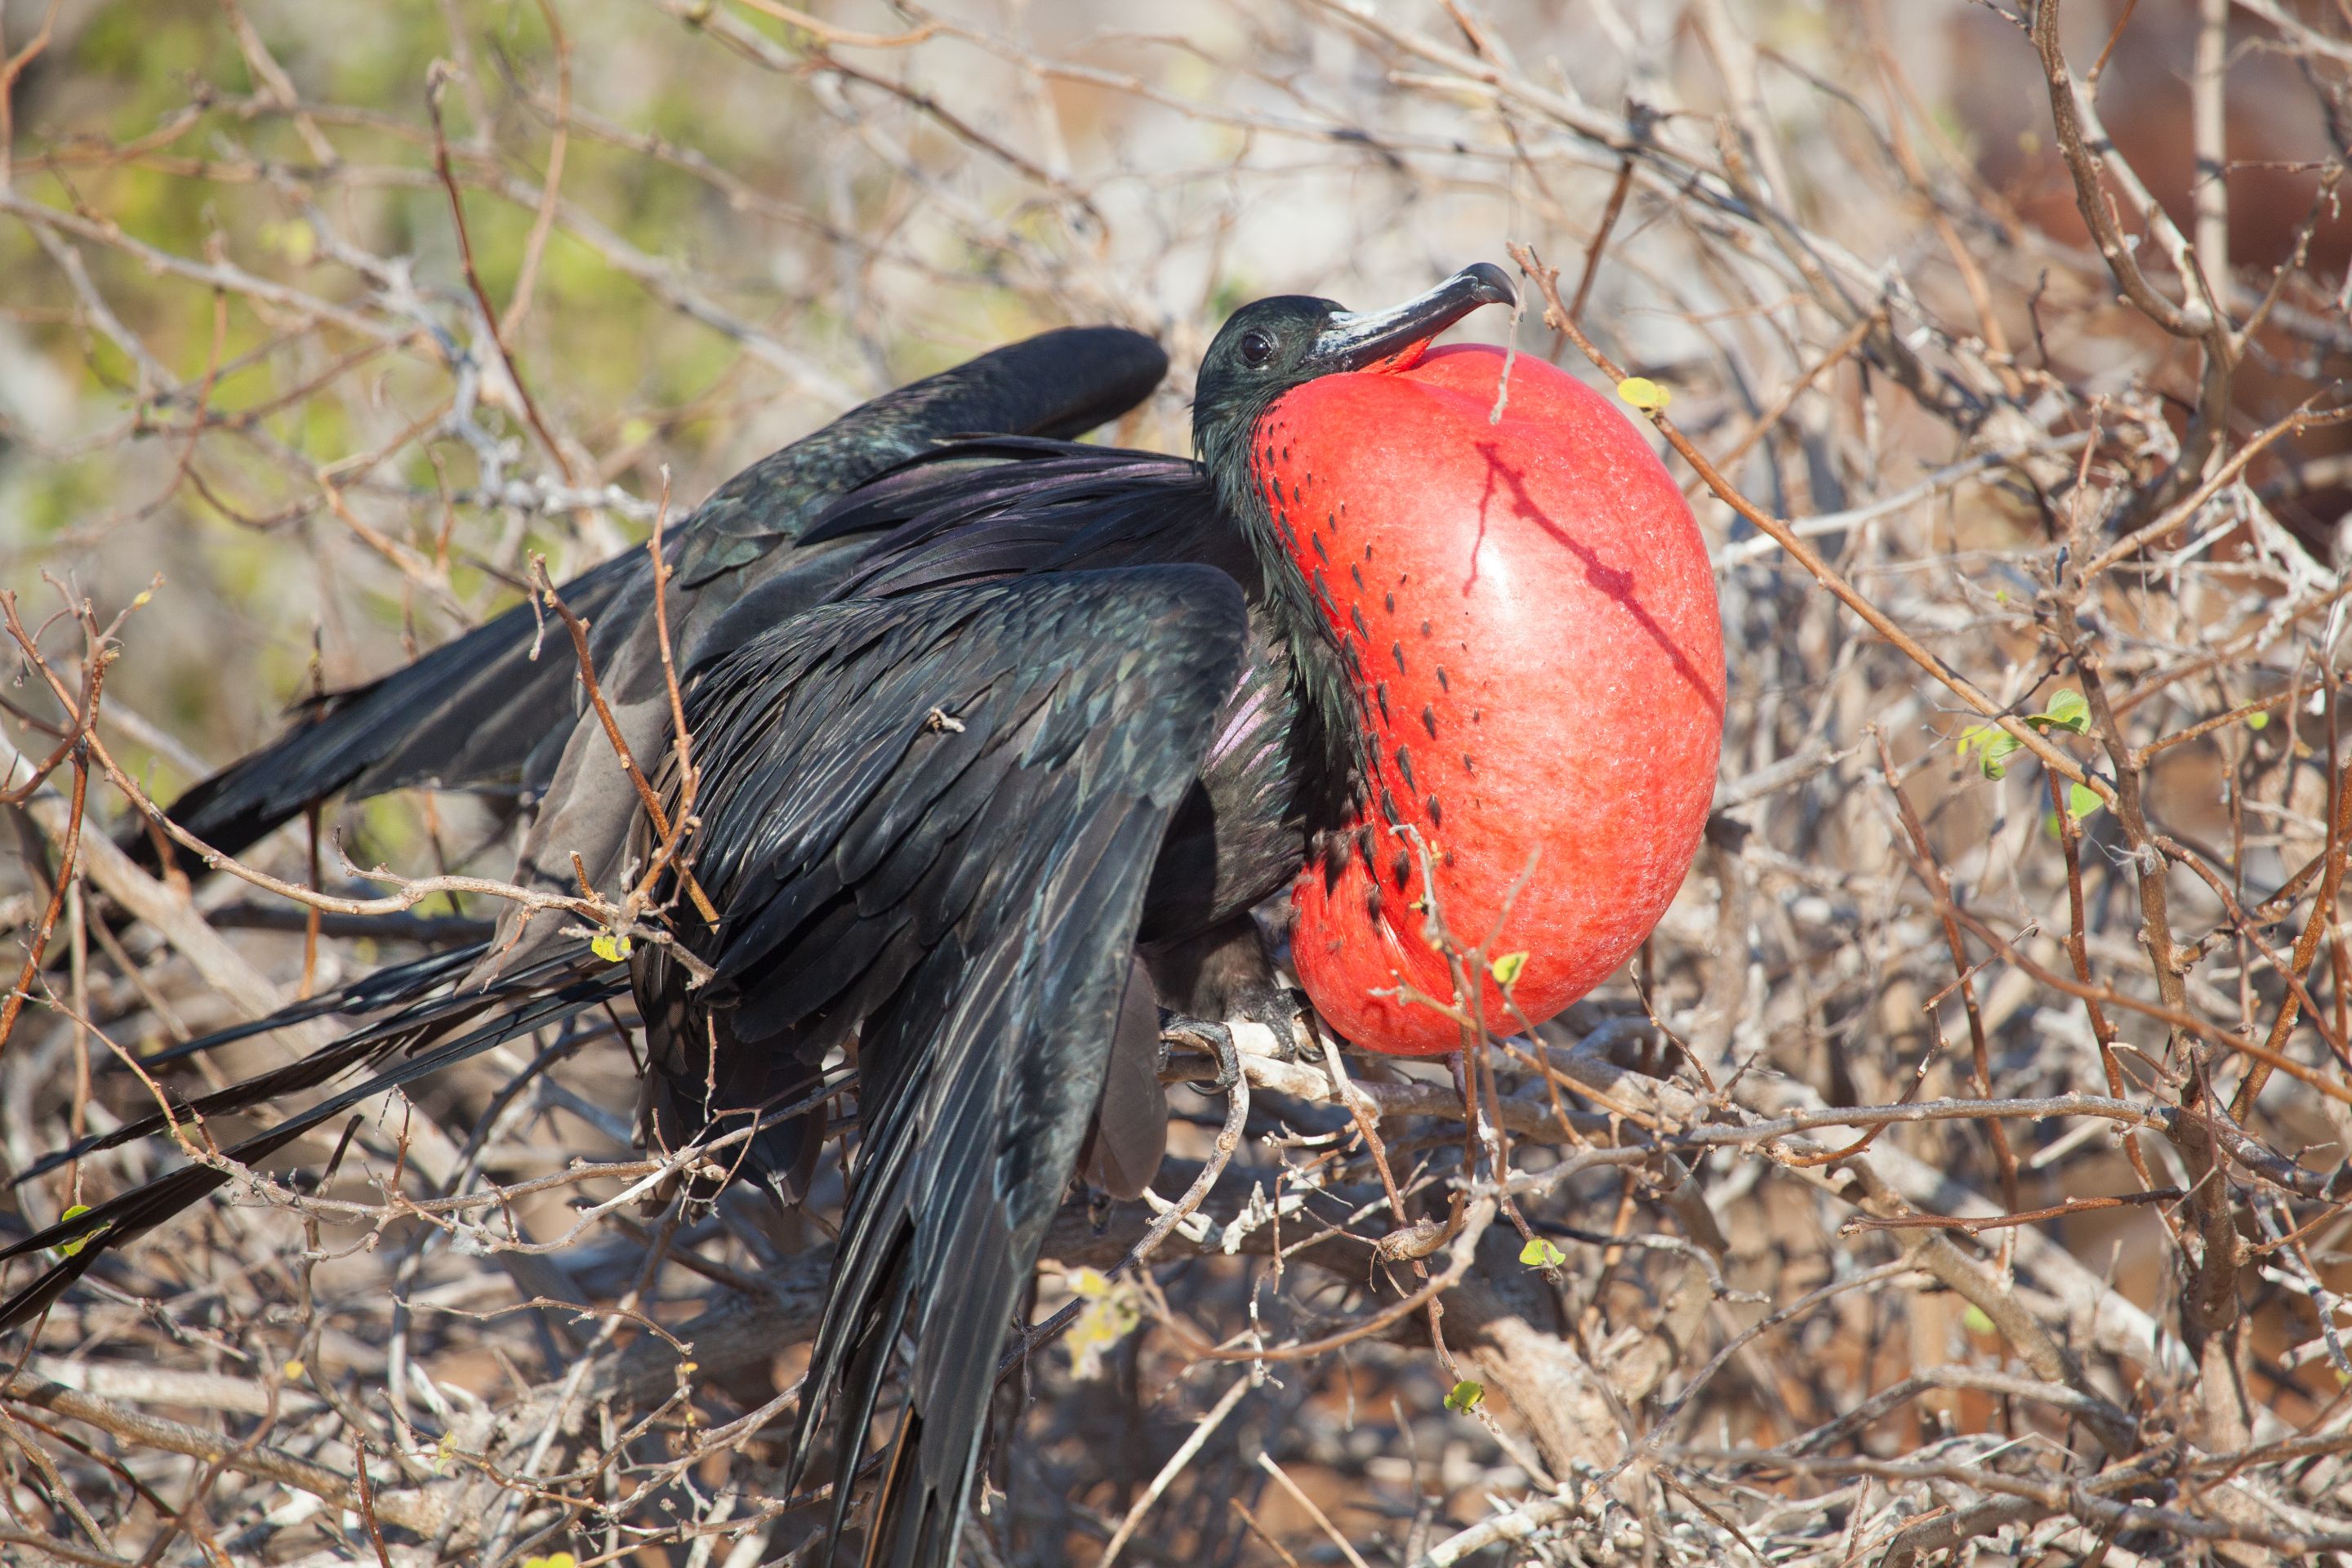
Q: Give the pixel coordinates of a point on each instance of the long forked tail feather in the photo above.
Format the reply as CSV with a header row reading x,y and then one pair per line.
x,y
421,1036
372,992
401,1029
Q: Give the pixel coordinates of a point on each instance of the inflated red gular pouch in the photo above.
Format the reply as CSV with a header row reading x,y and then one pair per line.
x,y
1532,626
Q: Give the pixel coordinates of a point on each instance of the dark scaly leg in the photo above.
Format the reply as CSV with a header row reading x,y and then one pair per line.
x,y
1225,972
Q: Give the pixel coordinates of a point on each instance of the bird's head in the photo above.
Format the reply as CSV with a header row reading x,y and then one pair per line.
x,y
1270,346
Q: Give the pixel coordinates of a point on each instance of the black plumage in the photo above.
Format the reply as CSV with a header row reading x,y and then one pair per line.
x,y
87,1236
999,730
481,710
905,882
949,853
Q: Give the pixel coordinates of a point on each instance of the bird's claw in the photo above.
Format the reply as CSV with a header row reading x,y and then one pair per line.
x,y
1282,1009
1295,1023
1214,1039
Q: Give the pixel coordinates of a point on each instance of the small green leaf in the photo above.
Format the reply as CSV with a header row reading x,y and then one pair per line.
x,y
2000,596
1991,744
1644,393
2082,800
1506,969
2067,710
68,1248
1539,1253
1464,1397
612,946
2258,721
1975,1320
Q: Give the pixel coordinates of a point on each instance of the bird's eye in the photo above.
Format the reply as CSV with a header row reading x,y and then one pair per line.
x,y
1256,348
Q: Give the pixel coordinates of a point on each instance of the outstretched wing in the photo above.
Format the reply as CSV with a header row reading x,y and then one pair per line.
x,y
932,819
476,709
481,691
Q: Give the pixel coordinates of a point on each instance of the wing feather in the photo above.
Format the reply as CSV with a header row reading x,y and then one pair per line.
x,y
971,896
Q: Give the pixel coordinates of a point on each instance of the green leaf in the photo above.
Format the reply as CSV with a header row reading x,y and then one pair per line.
x,y
1539,1253
2082,800
612,946
68,1248
1992,744
1644,393
1464,1397
2067,710
2258,721
1506,969
1975,1320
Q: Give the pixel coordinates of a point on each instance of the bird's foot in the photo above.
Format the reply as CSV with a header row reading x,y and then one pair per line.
x,y
1225,974
1280,1009
1213,1040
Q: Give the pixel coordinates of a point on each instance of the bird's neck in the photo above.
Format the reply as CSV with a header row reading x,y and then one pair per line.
x,y
1330,692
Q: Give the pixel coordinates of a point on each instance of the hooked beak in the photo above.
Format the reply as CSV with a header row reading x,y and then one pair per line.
x,y
1395,339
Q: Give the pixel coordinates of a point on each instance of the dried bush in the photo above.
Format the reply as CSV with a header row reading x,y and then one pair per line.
x,y
1959,1172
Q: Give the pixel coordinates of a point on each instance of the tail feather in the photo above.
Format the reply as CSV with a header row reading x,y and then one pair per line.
x,y
399,1031
120,1219
372,992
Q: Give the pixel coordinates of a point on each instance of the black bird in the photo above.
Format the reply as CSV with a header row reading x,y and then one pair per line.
x,y
1008,724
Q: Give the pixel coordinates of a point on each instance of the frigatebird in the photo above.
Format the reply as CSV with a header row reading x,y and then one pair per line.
x,y
1043,710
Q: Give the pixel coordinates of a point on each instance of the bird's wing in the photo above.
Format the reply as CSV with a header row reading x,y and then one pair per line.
x,y
476,709
1045,507
982,508
935,815
1056,385
474,697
